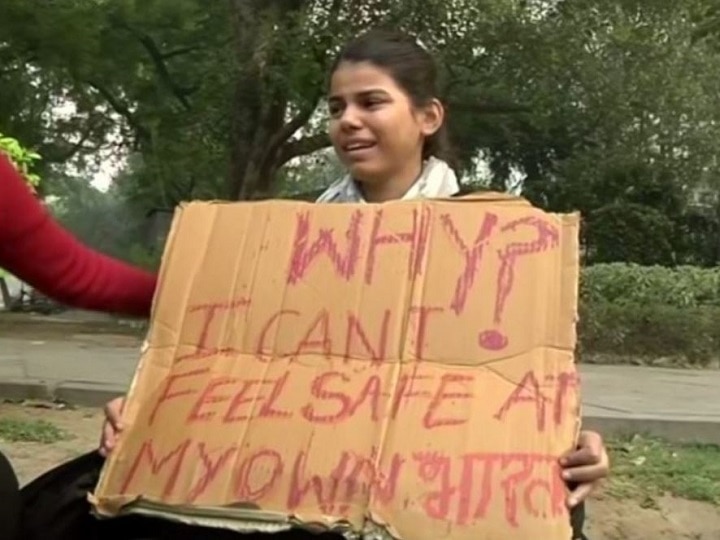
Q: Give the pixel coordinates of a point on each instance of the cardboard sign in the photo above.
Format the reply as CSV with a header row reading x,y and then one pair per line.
x,y
401,370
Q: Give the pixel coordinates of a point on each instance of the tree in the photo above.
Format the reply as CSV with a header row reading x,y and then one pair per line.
x,y
208,94
594,106
625,120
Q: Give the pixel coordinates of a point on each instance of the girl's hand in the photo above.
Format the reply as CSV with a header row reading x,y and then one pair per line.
x,y
585,466
112,426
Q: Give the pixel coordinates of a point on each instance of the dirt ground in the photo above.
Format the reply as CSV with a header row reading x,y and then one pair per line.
x,y
609,518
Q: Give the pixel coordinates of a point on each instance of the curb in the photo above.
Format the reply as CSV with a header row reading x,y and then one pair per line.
x,y
81,394
677,430
96,395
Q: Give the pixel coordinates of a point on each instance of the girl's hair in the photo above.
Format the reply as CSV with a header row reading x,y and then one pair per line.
x,y
411,67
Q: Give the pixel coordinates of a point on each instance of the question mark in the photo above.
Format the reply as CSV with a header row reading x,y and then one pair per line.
x,y
547,237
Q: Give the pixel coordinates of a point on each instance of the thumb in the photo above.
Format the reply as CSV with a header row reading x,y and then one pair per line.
x,y
113,415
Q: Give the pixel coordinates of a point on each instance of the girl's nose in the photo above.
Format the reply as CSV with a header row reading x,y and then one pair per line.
x,y
350,118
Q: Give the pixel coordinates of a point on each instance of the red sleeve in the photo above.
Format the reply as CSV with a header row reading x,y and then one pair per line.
x,y
36,249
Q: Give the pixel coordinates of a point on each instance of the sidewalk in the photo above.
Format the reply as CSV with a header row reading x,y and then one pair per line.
x,y
675,404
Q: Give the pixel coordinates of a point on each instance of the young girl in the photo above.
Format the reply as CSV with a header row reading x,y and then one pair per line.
x,y
387,127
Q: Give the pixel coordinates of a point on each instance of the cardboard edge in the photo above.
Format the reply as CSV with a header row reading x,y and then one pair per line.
x,y
185,205
237,519
169,242
377,528
495,197
573,220
488,197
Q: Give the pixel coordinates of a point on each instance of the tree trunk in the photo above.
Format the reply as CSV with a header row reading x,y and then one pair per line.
x,y
260,125
254,150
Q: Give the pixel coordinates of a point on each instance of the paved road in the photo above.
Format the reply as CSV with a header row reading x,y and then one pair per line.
x,y
88,370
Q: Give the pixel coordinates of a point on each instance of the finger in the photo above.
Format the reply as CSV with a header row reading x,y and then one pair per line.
x,y
108,437
579,494
103,450
580,475
113,414
581,457
101,445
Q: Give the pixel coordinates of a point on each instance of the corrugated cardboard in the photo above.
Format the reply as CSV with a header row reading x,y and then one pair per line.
x,y
399,370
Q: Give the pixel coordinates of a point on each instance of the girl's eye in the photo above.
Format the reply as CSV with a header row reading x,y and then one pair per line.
x,y
373,103
335,110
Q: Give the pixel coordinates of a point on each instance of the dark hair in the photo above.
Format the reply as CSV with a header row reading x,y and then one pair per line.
x,y
413,69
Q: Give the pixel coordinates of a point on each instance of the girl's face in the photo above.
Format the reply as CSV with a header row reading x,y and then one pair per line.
x,y
377,132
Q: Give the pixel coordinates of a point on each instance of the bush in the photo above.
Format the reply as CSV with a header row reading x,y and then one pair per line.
x,y
23,159
649,333
649,314
621,283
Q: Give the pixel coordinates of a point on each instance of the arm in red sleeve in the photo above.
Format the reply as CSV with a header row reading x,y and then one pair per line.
x,y
36,249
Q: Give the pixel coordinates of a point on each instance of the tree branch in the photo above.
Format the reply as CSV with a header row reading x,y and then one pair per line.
x,y
57,154
279,141
158,60
180,51
162,70
288,130
9,70
487,107
16,62
302,147
122,109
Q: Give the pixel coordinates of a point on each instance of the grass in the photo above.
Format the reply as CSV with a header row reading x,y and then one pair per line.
x,y
644,468
37,431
